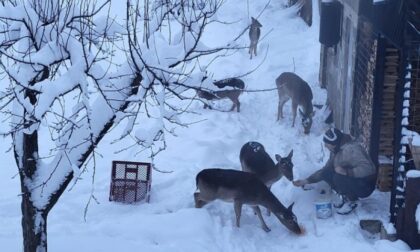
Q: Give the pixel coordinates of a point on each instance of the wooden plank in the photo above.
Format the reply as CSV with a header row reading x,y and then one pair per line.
x,y
392,57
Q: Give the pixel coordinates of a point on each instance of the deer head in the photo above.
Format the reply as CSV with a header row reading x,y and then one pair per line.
x,y
288,218
306,120
285,165
255,23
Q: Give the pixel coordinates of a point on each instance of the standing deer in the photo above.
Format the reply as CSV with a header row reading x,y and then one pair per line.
x,y
232,94
242,188
289,85
254,36
255,159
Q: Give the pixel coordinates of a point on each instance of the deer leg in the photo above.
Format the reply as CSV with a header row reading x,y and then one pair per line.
x,y
238,208
235,104
263,225
268,210
282,101
294,109
255,49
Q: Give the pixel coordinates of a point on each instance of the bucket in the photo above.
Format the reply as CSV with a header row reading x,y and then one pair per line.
x,y
323,209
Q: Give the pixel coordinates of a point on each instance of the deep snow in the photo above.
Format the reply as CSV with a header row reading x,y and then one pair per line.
x,y
170,222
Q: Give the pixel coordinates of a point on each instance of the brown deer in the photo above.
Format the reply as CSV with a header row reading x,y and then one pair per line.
x,y
242,188
255,159
289,85
232,94
254,36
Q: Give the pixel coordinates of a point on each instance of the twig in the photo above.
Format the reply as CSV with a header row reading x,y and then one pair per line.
x,y
259,90
266,5
253,70
294,66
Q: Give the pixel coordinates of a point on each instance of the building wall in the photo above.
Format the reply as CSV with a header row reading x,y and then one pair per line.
x,y
364,83
348,73
337,67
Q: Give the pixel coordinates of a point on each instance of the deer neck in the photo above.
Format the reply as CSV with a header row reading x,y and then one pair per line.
x,y
272,175
306,108
272,203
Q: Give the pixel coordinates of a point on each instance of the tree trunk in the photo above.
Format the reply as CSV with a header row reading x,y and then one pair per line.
x,y
34,227
34,221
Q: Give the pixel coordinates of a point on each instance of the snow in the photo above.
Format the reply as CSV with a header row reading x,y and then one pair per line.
x,y
416,140
170,222
413,174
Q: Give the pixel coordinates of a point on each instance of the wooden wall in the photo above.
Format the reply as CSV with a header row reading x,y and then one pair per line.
x,y
337,65
364,82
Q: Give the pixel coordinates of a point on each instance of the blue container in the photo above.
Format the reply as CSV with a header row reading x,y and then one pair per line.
x,y
323,209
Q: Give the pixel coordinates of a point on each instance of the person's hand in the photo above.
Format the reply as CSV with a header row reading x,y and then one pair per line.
x,y
300,182
340,170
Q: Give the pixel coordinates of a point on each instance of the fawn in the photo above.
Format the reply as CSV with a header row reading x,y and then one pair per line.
x,y
242,188
289,85
254,36
232,94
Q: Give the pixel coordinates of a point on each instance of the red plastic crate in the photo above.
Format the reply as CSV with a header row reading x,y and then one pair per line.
x,y
130,181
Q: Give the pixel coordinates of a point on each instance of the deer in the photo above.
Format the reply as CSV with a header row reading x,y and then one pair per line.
x,y
232,94
242,188
254,36
255,159
290,85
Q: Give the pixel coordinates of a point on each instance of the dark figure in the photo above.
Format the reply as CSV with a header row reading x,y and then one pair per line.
x,y
349,171
230,82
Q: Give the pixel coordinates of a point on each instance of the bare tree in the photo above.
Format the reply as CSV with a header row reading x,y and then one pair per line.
x,y
58,58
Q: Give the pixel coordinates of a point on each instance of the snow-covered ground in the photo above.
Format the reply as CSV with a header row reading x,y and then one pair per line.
x,y
170,222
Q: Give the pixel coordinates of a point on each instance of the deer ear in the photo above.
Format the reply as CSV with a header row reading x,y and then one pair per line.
x,y
290,154
291,206
278,157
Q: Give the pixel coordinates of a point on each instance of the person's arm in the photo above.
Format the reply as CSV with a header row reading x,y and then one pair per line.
x,y
316,176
